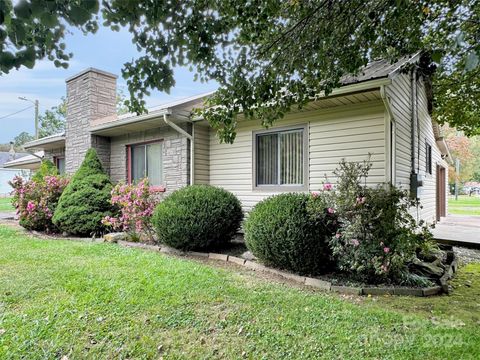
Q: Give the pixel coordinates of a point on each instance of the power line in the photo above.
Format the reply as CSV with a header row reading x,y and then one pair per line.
x,y
17,112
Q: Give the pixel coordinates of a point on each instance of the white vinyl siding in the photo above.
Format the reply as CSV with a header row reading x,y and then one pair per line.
x,y
350,132
400,97
201,153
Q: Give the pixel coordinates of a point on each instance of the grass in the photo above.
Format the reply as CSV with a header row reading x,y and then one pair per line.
x,y
6,204
465,205
90,301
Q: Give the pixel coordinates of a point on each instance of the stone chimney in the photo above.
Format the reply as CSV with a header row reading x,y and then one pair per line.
x,y
91,94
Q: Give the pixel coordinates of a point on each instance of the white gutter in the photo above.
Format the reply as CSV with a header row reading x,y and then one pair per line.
x,y
389,136
189,137
342,90
130,120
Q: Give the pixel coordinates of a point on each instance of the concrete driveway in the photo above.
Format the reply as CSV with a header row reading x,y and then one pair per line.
x,y
459,230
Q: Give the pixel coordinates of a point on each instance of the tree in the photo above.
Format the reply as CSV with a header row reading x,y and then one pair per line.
x,y
120,103
22,138
270,55
86,199
34,30
53,120
467,151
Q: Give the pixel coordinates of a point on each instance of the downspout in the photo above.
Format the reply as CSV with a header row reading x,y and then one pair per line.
x,y
413,122
190,137
37,156
386,102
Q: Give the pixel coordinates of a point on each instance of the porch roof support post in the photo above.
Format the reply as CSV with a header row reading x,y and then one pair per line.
x,y
190,137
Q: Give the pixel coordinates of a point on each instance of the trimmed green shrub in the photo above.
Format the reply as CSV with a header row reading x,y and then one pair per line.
x,y
280,232
86,199
197,217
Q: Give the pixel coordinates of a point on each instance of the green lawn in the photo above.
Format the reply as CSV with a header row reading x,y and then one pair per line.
x,y
465,205
6,204
100,301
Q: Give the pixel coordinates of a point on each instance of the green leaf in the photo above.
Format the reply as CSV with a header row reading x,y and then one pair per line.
x,y
48,19
22,9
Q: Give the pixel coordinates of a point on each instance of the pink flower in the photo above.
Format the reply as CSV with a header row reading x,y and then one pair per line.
x,y
338,235
315,194
386,250
384,268
361,200
327,186
330,210
355,242
30,206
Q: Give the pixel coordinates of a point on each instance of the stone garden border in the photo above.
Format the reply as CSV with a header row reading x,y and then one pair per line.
x,y
451,268
308,281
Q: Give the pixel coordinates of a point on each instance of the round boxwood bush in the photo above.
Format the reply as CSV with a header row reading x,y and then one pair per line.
x,y
197,217
86,199
281,233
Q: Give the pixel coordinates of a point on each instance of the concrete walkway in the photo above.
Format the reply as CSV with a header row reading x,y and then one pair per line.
x,y
459,230
5,215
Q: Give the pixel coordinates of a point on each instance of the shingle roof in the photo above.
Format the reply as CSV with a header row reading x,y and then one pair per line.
x,y
378,69
5,156
24,160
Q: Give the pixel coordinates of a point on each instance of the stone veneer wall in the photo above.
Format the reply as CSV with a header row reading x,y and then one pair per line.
x,y
53,153
90,95
175,155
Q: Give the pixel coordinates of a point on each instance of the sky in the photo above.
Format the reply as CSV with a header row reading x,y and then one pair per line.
x,y
105,50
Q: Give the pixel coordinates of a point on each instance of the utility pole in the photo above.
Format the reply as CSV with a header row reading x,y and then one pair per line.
x,y
457,170
36,113
36,119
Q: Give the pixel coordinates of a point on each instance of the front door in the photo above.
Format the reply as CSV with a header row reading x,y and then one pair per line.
x,y
441,193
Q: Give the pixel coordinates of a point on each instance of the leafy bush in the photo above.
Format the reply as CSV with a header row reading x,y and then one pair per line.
x,y
36,200
377,236
47,168
280,232
197,217
86,199
136,203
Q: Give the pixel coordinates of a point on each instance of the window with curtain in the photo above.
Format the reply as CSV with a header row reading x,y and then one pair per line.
x,y
146,162
280,158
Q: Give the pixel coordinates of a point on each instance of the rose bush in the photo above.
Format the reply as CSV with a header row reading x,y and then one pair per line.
x,y
377,237
36,200
136,203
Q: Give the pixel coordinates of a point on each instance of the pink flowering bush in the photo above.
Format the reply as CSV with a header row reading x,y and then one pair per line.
x,y
136,203
36,200
376,237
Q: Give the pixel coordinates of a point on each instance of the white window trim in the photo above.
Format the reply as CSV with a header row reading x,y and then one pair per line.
x,y
279,187
145,144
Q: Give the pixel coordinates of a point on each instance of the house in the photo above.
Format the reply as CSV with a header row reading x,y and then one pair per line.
x,y
8,173
383,111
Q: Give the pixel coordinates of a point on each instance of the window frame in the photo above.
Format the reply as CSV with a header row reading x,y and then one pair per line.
x,y
130,163
280,187
428,158
55,160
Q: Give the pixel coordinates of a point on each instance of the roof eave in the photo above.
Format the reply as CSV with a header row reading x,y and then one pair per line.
x,y
50,143
130,121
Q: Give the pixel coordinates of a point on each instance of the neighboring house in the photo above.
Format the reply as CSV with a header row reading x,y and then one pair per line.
x,y
7,174
28,161
383,112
